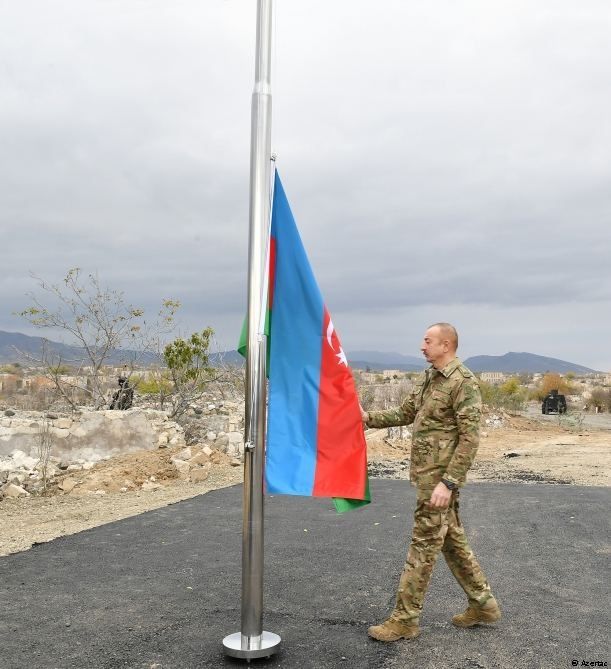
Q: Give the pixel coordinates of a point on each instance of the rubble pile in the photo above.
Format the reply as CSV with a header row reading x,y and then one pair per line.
x,y
217,422
99,452
493,421
22,475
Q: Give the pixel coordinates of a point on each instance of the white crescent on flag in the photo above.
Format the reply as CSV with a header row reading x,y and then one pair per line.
x,y
341,355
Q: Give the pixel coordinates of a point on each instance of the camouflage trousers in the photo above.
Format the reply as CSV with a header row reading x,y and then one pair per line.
x,y
437,530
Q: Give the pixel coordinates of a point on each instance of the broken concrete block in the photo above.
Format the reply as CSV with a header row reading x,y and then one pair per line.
x,y
199,474
12,490
185,454
182,466
199,459
23,461
235,447
67,484
221,442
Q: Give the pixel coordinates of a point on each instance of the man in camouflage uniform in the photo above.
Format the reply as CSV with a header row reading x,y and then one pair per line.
x,y
444,407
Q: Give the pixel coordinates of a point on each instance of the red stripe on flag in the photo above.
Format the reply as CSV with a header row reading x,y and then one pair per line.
x,y
341,461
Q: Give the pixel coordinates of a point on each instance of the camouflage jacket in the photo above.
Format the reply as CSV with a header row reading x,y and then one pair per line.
x,y
445,408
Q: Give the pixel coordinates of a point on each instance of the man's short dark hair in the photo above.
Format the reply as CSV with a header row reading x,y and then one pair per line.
x,y
448,331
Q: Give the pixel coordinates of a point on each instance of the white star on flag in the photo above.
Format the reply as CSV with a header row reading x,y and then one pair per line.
x,y
341,355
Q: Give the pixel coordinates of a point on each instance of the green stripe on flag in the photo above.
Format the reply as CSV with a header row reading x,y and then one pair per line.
x,y
342,505
243,343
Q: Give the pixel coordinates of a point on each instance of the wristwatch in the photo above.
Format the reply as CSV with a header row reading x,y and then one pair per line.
x,y
450,485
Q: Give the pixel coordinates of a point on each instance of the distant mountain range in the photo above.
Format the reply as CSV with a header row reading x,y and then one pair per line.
x,y
523,362
510,363
17,347
380,360
13,342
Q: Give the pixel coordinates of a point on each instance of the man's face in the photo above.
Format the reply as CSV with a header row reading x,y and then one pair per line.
x,y
434,347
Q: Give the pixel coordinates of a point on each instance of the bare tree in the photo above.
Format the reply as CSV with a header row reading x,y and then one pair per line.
x,y
101,326
44,443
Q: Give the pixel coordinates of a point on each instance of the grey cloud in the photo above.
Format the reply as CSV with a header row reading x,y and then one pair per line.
x,y
439,159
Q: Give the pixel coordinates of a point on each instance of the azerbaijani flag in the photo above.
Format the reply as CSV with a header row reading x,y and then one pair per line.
x,y
315,440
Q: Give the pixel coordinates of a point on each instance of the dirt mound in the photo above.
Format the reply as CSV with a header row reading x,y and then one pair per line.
x,y
497,418
130,471
513,448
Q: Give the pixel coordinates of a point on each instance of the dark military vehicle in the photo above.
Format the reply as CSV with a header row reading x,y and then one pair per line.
x,y
553,403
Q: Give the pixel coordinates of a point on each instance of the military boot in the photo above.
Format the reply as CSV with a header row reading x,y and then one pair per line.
x,y
477,615
393,630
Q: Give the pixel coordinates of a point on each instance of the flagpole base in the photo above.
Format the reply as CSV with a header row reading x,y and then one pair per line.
x,y
250,648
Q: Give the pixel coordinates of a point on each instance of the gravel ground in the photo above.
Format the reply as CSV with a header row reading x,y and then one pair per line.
x,y
35,520
517,450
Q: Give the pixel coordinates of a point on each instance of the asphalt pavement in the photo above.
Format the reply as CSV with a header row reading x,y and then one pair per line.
x,y
161,590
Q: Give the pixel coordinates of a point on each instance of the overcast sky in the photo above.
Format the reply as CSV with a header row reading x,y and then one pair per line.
x,y
444,161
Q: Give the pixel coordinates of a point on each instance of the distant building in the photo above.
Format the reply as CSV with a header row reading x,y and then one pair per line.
x,y
368,377
38,383
9,383
492,377
394,375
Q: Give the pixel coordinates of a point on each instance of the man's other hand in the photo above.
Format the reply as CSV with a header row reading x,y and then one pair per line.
x,y
364,414
440,497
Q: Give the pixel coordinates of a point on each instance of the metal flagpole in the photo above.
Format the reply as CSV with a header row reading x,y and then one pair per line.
x,y
252,642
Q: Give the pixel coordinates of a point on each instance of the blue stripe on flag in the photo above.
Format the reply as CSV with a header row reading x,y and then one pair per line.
x,y
296,332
